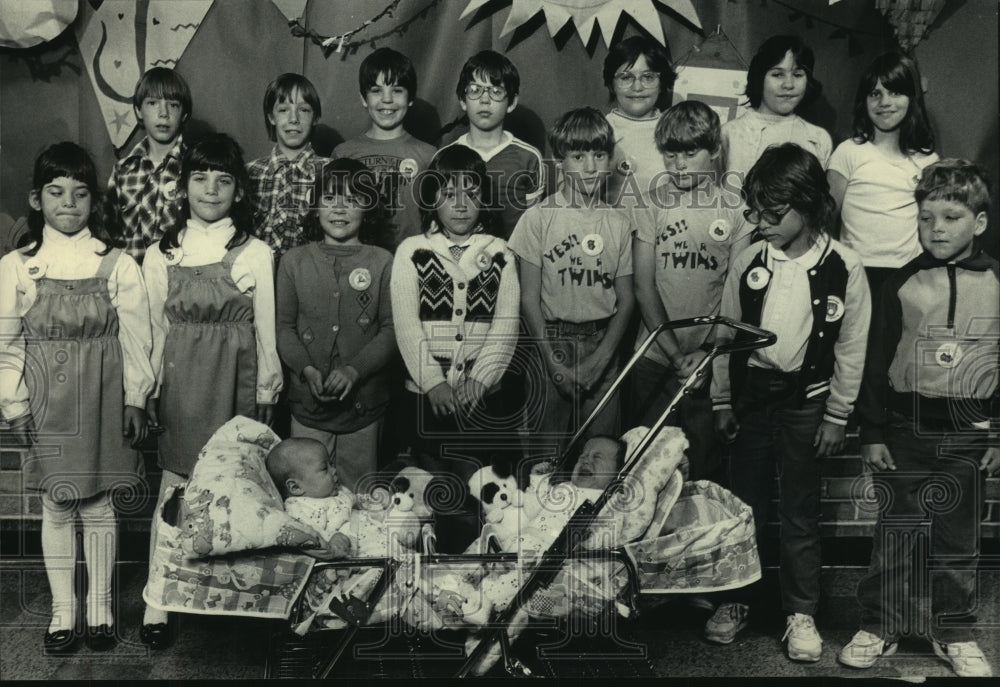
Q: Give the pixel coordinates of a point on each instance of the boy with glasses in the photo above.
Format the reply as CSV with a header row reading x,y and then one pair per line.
x,y
487,91
785,406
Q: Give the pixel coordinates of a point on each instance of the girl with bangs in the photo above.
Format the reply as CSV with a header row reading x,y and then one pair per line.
x,y
455,306
211,300
75,343
334,322
873,175
780,81
784,406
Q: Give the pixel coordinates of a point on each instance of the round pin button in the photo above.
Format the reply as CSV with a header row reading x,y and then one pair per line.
x,y
758,278
834,308
719,230
360,279
593,244
948,354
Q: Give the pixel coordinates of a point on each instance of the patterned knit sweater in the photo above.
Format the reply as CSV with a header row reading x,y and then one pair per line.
x,y
454,318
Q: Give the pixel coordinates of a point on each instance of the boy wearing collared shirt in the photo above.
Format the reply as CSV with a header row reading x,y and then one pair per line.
x,y
141,201
282,183
487,91
787,404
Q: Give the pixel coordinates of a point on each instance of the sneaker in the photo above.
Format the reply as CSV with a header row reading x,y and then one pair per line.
x,y
966,658
702,603
804,642
865,649
726,622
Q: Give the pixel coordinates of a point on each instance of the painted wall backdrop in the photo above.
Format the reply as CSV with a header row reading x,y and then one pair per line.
x,y
48,95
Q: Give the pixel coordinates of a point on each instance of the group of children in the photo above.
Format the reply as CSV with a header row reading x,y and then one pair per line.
x,y
457,260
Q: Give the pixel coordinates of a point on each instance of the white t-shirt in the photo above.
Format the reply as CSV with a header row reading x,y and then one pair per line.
x,y
879,211
636,155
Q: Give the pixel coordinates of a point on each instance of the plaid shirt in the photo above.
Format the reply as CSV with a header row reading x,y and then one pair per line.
x,y
142,201
282,195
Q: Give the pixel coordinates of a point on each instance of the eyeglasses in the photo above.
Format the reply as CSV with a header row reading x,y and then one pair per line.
x,y
647,79
772,217
474,90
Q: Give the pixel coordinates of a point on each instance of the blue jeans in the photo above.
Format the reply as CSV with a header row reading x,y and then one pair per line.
x,y
930,506
653,386
776,432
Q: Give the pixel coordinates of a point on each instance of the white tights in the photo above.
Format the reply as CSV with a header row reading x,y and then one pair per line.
x,y
153,616
100,542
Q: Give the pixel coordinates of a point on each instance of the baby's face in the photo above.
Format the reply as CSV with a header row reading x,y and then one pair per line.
x,y
317,475
597,465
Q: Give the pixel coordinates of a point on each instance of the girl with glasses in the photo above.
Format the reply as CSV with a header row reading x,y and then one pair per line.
x,y
638,77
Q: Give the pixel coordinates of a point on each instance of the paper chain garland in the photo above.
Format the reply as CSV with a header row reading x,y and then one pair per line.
x,y
342,44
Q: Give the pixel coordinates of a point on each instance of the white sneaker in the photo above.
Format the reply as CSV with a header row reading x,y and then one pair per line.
x,y
966,658
804,642
729,619
865,649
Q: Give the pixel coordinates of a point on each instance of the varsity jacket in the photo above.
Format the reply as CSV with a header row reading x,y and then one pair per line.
x,y
835,352
934,355
454,317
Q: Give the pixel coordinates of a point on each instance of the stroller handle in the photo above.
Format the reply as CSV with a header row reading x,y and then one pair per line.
x,y
568,546
752,338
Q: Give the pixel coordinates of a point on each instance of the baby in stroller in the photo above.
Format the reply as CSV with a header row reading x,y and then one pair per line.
x,y
307,480
366,524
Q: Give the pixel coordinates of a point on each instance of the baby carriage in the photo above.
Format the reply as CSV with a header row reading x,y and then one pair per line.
x,y
672,538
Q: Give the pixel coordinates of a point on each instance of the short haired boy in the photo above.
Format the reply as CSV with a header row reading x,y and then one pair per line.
x,y
282,182
141,202
574,256
928,416
784,406
487,91
688,231
388,85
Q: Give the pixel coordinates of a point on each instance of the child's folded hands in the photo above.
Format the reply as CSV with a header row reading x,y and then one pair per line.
x,y
340,382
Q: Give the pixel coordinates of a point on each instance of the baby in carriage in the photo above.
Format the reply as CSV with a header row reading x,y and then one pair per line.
x,y
307,480
368,524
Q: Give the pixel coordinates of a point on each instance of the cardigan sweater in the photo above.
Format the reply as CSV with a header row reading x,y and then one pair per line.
x,y
334,309
454,317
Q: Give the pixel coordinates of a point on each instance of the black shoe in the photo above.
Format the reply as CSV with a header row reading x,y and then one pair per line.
x,y
100,638
61,642
156,636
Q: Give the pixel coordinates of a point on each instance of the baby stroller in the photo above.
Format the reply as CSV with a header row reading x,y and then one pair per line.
x,y
715,550
712,531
